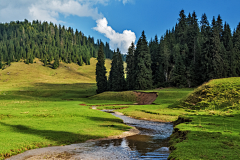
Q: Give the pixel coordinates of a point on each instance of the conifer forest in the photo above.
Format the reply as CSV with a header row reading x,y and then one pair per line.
x,y
46,41
194,51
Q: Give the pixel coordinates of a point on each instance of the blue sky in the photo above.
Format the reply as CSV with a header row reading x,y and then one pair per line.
x,y
118,21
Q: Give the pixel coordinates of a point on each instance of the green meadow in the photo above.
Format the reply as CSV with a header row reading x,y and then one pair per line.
x,y
42,107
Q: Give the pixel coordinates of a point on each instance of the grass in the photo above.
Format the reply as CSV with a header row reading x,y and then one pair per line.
x,y
159,110
207,119
40,107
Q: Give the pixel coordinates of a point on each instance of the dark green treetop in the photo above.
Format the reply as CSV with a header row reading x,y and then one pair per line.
x,y
101,71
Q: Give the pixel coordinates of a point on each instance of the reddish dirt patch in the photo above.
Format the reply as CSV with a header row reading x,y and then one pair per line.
x,y
82,104
146,97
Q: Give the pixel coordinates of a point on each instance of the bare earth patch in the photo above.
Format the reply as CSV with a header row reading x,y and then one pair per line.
x,y
146,97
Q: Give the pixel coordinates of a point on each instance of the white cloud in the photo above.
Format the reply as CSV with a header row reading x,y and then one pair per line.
x,y
124,1
117,40
49,10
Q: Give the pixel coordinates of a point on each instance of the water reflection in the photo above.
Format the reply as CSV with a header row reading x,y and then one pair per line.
x,y
151,143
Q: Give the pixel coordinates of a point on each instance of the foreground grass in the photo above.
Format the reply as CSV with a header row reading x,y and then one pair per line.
x,y
40,107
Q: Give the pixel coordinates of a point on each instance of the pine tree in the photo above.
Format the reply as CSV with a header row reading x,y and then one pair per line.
x,y
178,78
116,81
142,60
130,67
228,44
113,75
80,61
121,77
236,42
217,52
154,48
205,50
101,71
56,63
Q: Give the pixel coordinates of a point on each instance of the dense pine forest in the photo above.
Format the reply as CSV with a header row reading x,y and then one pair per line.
x,y
28,40
191,53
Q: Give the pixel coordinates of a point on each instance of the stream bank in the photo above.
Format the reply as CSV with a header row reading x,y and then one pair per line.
x,y
151,142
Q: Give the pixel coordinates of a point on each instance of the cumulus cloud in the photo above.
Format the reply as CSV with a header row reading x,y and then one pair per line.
x,y
124,1
49,10
117,40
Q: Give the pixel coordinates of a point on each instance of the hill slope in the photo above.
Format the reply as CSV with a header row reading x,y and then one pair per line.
x,y
20,74
216,94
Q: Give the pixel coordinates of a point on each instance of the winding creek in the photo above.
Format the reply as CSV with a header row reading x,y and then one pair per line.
x,y
150,143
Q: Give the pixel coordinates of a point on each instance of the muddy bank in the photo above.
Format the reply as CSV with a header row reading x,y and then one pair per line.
x,y
177,135
144,98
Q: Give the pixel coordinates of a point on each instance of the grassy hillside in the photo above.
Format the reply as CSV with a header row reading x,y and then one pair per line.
x,y
219,94
40,107
212,132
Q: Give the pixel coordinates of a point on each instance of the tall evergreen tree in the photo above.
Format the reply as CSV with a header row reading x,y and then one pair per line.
x,y
228,44
154,51
178,78
113,75
130,67
56,63
236,42
142,60
101,71
121,77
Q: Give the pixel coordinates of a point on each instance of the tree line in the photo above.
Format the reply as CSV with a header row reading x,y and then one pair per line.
x,y
191,53
24,40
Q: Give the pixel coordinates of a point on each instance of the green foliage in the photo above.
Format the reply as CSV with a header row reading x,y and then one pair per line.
x,y
56,63
192,53
142,61
24,40
116,80
101,78
130,67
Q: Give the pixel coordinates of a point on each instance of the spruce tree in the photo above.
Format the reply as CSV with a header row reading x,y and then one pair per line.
x,y
101,71
178,78
130,67
113,75
142,60
236,42
228,44
56,63
116,80
154,48
120,70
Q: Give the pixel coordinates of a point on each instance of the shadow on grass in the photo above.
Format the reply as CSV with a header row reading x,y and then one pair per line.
x,y
105,119
59,137
51,92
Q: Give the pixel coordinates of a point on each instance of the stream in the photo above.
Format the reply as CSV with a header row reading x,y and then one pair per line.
x,y
150,143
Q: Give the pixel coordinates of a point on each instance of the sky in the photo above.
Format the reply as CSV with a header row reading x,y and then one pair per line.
x,y
118,22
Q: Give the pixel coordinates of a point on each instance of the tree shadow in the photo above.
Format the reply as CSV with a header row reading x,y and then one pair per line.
x,y
52,92
105,119
60,137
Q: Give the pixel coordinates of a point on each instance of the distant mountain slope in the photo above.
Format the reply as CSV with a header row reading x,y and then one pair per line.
x,y
21,74
46,41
